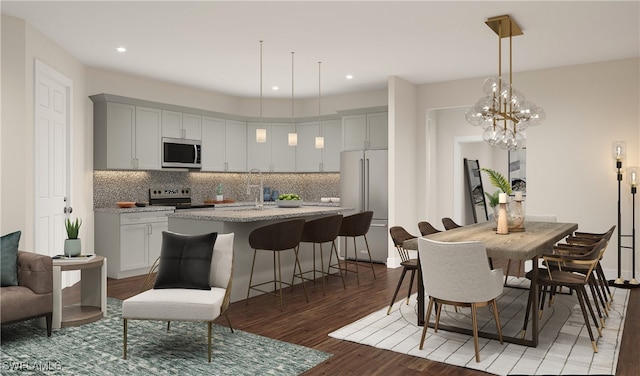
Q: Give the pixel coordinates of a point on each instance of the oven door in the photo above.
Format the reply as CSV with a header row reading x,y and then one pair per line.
x,y
181,153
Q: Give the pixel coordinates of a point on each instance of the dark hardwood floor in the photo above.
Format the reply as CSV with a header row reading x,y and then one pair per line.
x,y
309,324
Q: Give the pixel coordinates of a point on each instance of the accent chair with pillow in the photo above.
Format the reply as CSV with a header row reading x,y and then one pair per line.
x,y
193,283
27,283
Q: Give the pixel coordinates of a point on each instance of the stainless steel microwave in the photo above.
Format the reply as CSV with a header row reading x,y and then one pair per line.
x,y
181,153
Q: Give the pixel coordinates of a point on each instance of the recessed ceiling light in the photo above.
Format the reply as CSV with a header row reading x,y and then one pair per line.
x,y
121,49
275,88
349,76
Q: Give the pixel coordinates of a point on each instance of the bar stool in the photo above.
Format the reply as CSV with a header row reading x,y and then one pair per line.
x,y
353,226
319,231
276,237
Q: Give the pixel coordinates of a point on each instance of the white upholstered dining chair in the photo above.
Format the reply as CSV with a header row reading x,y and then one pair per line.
x,y
175,301
458,273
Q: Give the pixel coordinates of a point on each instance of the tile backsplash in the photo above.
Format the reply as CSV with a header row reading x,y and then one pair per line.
x,y
110,186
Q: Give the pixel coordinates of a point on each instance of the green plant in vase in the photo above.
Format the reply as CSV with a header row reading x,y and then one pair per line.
x,y
499,181
219,196
72,245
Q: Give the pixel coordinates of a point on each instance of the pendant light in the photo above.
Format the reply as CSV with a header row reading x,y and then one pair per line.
x,y
293,137
319,139
261,132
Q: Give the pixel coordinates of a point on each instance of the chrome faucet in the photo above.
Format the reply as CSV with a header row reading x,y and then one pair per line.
x,y
260,199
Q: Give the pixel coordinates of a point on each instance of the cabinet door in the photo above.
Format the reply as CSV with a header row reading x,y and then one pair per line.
x,y
191,126
121,120
235,145
377,134
171,124
259,153
308,158
213,135
133,246
147,138
283,156
332,132
155,239
354,132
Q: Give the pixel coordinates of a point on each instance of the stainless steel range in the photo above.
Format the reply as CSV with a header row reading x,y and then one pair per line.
x,y
178,197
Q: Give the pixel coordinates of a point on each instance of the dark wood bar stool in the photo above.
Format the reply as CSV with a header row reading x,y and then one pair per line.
x,y
354,226
319,231
277,237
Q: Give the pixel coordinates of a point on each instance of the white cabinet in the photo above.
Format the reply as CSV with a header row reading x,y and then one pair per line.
x,y
332,132
213,140
181,125
114,135
131,242
327,159
235,146
365,131
275,155
125,136
147,139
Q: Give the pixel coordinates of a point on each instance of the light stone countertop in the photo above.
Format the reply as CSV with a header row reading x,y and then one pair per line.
x,y
243,204
250,214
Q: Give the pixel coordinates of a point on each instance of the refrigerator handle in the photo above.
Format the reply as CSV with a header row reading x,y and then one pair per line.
x,y
362,184
366,185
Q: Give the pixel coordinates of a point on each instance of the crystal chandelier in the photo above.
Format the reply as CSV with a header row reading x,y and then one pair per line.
x,y
504,112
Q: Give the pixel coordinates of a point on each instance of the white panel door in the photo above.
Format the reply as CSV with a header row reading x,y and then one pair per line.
x,y
52,155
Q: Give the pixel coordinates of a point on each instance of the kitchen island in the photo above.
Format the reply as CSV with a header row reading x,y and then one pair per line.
x,y
241,220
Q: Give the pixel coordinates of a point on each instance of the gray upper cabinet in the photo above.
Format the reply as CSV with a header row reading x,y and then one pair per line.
x,y
181,125
365,131
125,136
311,159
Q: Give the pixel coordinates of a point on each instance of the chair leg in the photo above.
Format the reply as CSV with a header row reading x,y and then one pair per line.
x,y
474,323
369,252
413,275
582,290
124,339
48,319
324,290
506,274
168,325
209,340
226,316
355,252
496,317
395,294
586,319
334,250
253,263
295,250
426,322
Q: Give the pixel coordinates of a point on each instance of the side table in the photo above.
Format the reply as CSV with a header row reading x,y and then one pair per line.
x,y
93,294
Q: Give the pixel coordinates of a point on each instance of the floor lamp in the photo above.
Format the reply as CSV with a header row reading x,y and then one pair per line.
x,y
619,150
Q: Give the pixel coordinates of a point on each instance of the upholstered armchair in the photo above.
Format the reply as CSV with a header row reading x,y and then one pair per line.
x,y
32,297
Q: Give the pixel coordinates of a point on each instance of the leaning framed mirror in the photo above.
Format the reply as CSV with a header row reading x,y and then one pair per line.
x,y
475,190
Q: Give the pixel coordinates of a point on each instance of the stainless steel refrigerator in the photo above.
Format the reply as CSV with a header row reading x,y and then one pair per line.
x,y
363,186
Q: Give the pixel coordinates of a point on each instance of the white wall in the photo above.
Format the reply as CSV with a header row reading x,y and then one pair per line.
x,y
21,45
570,172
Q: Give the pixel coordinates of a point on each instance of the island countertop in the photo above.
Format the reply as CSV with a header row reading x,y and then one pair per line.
x,y
251,214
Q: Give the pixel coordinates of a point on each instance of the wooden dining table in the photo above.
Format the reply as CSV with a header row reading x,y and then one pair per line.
x,y
536,239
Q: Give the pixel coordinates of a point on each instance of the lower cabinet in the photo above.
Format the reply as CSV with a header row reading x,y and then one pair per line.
x,y
131,242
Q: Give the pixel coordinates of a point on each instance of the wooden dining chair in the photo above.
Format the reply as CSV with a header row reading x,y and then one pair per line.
x,y
555,275
399,235
426,228
449,224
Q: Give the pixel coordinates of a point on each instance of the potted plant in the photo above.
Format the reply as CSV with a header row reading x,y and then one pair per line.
x,y
219,196
515,217
72,245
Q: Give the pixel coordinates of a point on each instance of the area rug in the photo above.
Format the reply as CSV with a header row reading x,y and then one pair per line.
x,y
96,349
564,345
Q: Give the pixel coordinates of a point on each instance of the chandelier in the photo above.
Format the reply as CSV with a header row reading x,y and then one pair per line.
x,y
504,112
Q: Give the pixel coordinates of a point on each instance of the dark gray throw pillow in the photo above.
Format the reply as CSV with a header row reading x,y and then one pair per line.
x,y
185,261
9,259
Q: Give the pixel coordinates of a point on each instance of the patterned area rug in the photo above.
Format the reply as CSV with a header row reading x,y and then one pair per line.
x,y
564,345
96,349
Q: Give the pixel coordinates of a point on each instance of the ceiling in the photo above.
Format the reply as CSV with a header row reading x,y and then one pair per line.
x,y
214,45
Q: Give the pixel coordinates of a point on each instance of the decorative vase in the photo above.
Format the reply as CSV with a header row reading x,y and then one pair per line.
x,y
72,247
515,213
219,197
503,223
